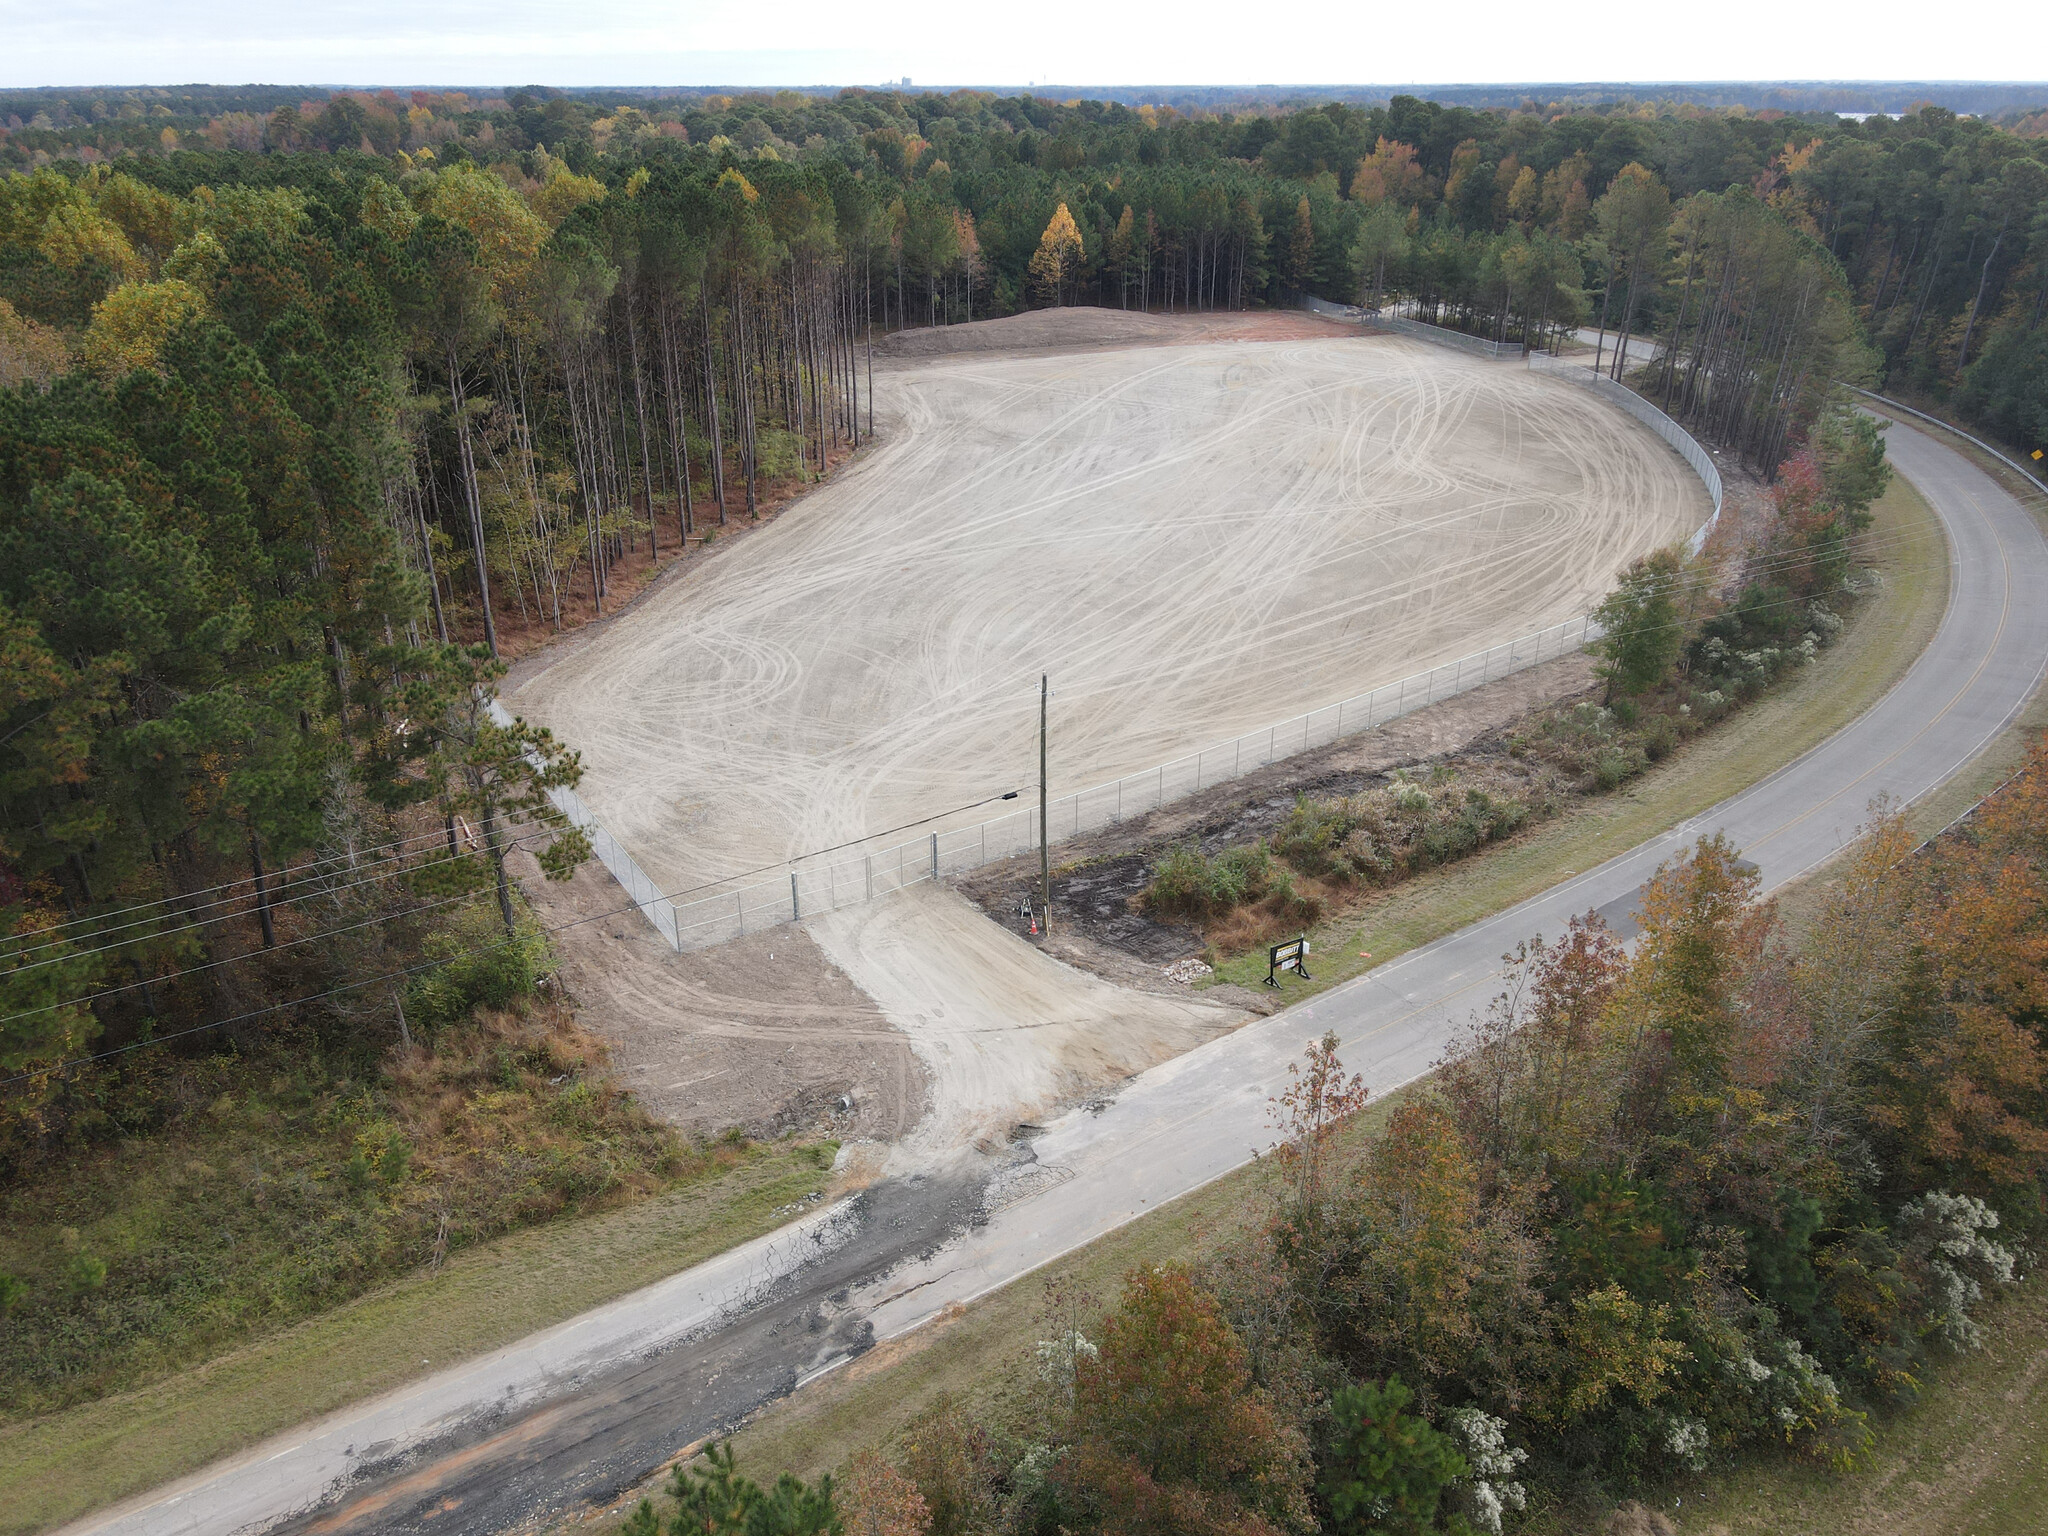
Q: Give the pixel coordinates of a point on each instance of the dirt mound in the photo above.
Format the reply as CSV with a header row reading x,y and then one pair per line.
x,y
764,1033
1006,1032
1043,330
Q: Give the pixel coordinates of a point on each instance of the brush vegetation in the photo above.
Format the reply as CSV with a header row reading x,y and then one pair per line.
x,y
1676,657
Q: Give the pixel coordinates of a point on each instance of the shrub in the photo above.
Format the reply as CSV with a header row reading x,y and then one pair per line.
x,y
1385,1470
1312,837
1615,768
1643,630
481,968
1185,884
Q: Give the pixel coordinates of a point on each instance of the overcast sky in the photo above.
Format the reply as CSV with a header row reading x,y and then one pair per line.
x,y
1068,42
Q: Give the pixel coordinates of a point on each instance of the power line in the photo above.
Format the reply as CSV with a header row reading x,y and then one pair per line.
x,y
1864,548
202,922
211,965
29,1013
159,901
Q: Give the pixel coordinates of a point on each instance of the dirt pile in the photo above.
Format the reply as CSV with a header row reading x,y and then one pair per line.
x,y
1077,328
765,1033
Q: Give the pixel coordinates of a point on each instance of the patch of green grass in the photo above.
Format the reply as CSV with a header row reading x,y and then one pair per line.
x,y
65,1464
1887,633
983,1354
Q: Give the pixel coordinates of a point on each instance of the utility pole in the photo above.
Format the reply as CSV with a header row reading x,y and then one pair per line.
x,y
1044,805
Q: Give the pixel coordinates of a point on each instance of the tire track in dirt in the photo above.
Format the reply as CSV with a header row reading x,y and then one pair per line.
x,y
1192,540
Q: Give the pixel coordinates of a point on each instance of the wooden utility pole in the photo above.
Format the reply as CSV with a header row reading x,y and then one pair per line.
x,y
1044,805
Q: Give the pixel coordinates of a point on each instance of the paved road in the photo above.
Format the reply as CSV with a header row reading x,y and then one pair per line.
x,y
581,1410
1641,349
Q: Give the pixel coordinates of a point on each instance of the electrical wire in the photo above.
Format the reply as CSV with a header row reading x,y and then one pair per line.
x,y
30,1013
201,922
231,884
1865,549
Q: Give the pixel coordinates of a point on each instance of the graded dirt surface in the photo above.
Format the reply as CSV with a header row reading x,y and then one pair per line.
x,y
764,1033
1007,1033
1193,540
1073,329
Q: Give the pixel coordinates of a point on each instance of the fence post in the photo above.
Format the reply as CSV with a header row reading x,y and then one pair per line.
x,y
867,877
795,915
935,855
739,902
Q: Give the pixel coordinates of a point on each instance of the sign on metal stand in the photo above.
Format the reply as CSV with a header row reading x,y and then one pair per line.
x,y
1291,956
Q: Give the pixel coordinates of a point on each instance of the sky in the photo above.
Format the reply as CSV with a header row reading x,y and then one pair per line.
x,y
1065,42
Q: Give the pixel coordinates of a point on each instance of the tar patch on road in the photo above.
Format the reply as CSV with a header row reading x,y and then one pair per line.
x,y
500,1472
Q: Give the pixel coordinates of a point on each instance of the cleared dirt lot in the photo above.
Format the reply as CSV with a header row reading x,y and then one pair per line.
x,y
1192,539
1007,1033
766,1033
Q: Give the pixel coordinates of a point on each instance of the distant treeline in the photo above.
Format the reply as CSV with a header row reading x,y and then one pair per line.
x,y
1932,223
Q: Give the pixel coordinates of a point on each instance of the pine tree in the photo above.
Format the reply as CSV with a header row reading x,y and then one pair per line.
x,y
1301,248
1120,256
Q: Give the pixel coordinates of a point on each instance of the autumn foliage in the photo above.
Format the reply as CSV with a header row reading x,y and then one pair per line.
x,y
1715,1191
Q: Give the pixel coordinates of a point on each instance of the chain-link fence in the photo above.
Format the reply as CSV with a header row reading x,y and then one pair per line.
x,y
824,882
1443,336
1421,330
827,881
1628,400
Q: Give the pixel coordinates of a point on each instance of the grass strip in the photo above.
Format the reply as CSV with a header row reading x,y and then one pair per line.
x,y
1885,636
980,1354
58,1467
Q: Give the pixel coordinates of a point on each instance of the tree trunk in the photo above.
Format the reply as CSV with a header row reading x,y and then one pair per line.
x,y
1984,277
476,506
711,397
640,415
497,852
262,890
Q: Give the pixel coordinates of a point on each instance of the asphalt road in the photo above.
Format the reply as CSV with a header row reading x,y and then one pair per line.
x,y
581,1411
